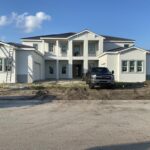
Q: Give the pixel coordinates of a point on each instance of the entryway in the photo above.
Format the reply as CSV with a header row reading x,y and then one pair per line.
x,y
77,69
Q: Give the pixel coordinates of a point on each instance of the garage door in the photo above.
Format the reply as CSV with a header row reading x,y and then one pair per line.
x,y
37,71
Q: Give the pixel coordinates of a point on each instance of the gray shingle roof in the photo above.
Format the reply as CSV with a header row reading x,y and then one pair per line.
x,y
18,45
62,35
119,49
66,35
116,38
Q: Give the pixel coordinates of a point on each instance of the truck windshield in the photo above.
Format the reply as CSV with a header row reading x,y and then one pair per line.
x,y
100,71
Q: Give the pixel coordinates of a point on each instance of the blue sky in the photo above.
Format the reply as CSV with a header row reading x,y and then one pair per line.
x,y
124,18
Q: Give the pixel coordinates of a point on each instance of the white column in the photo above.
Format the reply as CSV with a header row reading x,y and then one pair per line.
x,y
100,46
70,61
57,69
85,53
43,46
57,50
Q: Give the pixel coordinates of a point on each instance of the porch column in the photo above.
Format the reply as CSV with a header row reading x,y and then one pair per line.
x,y
57,50
85,52
70,61
57,69
70,66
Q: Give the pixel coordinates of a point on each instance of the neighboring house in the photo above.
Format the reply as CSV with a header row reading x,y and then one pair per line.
x,y
70,55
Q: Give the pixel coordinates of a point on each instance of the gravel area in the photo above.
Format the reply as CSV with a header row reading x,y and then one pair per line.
x,y
75,125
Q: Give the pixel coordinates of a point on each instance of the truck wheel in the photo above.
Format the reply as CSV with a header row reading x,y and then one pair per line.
x,y
91,86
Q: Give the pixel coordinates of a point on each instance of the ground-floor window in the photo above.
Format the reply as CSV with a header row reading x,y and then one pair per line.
x,y
124,66
8,64
51,70
5,64
139,66
132,66
64,69
1,64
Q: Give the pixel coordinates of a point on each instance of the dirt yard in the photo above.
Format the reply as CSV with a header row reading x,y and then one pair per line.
x,y
74,90
76,125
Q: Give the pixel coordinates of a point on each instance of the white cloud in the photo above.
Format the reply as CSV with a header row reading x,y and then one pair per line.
x,y
24,21
3,20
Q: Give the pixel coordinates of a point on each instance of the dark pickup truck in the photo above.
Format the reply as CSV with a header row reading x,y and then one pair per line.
x,y
99,76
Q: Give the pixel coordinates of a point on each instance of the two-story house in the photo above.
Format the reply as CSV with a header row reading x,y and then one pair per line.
x,y
70,55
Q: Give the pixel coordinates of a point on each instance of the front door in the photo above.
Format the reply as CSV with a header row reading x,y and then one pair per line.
x,y
77,70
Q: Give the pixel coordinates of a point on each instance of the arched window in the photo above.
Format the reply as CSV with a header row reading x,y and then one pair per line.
x,y
51,70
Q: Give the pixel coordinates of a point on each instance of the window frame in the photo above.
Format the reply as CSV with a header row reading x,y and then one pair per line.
x,y
2,64
6,61
91,48
76,50
124,66
126,45
49,69
51,48
134,66
64,73
36,46
142,66
66,48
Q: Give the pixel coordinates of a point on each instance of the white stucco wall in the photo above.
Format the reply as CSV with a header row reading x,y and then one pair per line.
x,y
148,65
110,61
135,54
114,62
26,68
4,75
39,43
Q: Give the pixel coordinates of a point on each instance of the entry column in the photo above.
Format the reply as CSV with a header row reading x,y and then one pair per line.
x,y
57,69
85,63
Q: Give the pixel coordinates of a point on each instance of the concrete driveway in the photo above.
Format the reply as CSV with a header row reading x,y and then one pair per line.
x,y
76,125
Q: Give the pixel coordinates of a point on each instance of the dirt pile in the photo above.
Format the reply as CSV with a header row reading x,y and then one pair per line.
x,y
76,93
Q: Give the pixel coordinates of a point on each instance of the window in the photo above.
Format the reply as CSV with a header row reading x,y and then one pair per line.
x,y
77,50
1,64
8,64
51,70
124,66
126,45
139,66
51,47
91,48
64,48
132,66
64,70
35,46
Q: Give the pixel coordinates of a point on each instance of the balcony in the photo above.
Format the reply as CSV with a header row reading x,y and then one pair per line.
x,y
92,48
78,48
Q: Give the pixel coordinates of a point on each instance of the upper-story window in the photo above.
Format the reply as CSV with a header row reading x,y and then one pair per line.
x,y
63,47
35,46
91,48
126,45
76,50
51,47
